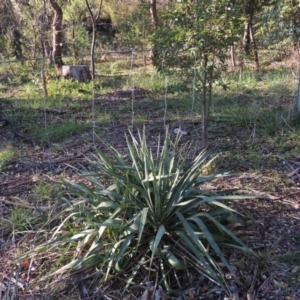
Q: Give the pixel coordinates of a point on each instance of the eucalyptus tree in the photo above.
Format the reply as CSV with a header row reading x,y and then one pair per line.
x,y
192,39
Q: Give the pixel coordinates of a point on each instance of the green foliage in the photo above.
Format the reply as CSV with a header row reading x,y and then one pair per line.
x,y
192,41
7,155
263,103
134,28
4,46
19,219
188,33
152,212
77,42
47,191
58,132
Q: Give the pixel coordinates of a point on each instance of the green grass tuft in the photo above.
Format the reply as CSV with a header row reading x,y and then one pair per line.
x,y
7,155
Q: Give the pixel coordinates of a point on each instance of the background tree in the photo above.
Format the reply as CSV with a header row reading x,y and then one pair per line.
x,y
195,37
154,21
153,12
249,38
94,35
57,30
291,16
10,21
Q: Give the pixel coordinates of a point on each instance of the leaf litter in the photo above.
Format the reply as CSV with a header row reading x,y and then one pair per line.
x,y
274,231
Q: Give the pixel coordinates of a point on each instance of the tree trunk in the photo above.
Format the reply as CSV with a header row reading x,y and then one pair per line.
x,y
205,104
249,13
154,21
17,44
79,72
246,39
99,10
232,55
45,42
75,51
57,36
153,12
94,35
254,48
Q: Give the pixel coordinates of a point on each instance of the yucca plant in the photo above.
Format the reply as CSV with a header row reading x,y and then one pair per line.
x,y
148,211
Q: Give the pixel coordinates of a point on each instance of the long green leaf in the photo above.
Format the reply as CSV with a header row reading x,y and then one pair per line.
x,y
154,245
142,224
210,239
195,239
204,265
174,261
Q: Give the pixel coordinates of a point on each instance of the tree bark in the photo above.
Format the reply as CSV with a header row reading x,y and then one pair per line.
x,y
43,43
99,10
154,21
254,48
246,39
249,32
57,36
153,12
232,55
94,35
205,104
249,13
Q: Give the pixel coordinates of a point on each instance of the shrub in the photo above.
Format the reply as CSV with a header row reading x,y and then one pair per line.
x,y
148,211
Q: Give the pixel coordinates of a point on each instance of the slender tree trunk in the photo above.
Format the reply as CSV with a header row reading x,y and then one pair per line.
x,y
249,13
44,51
74,46
254,48
246,39
94,36
57,30
99,10
232,55
153,12
45,43
154,21
205,105
17,43
249,32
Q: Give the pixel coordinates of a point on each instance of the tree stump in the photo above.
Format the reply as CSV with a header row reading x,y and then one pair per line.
x,y
79,72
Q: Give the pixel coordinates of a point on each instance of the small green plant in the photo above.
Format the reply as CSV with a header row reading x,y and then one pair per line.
x,y
7,155
148,212
20,219
47,191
